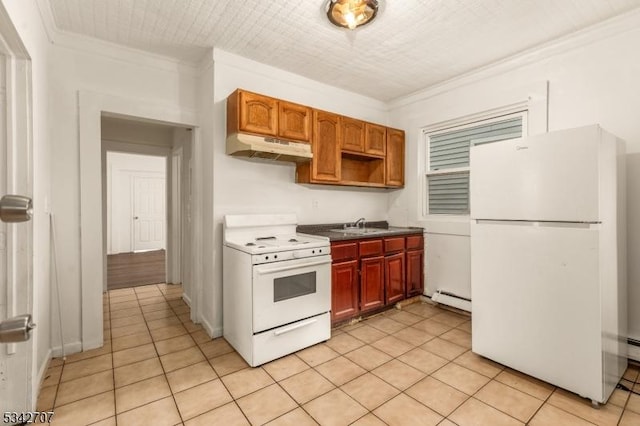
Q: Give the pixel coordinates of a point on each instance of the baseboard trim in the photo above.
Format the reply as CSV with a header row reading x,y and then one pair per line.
x,y
211,330
69,348
40,378
186,299
207,327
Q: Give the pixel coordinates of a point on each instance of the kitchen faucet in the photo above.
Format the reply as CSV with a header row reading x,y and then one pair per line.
x,y
357,223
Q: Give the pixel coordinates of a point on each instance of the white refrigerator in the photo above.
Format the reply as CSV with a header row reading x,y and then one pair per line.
x,y
548,257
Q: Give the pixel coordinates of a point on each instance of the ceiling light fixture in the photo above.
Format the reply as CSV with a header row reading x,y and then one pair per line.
x,y
351,13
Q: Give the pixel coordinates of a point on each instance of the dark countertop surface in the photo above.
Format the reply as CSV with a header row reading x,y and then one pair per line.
x,y
325,230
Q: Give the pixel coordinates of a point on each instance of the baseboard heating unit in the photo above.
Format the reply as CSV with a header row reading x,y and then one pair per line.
x,y
450,299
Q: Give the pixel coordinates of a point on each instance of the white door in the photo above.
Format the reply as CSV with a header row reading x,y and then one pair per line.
x,y
149,215
16,293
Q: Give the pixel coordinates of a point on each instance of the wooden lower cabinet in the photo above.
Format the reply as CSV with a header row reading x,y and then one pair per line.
x,y
371,283
344,290
394,277
415,274
369,274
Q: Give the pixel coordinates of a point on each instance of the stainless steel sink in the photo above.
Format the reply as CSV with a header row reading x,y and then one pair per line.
x,y
359,231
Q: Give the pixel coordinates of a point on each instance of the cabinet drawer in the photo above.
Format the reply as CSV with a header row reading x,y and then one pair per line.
x,y
344,251
393,244
415,242
370,248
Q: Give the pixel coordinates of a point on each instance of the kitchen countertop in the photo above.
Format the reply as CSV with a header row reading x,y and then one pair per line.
x,y
325,230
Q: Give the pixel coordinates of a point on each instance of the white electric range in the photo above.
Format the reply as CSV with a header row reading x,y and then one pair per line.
x,y
276,287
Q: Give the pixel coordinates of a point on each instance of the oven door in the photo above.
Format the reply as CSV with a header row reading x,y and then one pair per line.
x,y
288,291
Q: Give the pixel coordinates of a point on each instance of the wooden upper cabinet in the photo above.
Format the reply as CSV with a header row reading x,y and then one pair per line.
x,y
395,158
346,151
294,121
352,134
375,139
325,166
256,113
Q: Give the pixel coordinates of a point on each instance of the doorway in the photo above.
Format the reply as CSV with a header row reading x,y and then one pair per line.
x,y
93,109
137,220
144,219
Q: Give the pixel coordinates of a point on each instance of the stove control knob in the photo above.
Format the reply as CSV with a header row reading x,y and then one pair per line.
x,y
266,257
313,252
275,257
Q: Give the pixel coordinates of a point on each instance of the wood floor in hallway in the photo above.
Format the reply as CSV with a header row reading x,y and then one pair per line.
x,y
135,269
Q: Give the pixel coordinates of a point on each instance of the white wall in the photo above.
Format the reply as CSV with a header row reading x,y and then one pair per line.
x,y
121,169
244,186
26,19
83,64
593,78
180,213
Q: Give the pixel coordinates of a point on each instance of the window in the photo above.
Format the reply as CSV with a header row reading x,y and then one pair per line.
x,y
447,175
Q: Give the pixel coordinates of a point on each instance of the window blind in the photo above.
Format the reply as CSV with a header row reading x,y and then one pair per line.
x,y
449,192
451,149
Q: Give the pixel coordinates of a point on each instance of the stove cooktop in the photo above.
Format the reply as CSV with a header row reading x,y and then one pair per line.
x,y
277,243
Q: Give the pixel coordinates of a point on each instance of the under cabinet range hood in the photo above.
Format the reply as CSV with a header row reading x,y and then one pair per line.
x,y
252,146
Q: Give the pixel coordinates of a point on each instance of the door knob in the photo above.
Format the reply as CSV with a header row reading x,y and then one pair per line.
x,y
135,217
16,329
15,208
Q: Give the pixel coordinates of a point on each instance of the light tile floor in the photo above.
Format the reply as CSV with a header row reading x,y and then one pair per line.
x,y
404,367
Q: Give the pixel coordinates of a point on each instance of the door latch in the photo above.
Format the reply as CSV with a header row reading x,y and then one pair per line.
x,y
15,208
16,329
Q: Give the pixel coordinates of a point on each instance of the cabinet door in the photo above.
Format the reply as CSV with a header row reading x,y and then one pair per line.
x,y
395,158
326,147
352,134
294,121
415,272
375,139
258,113
394,278
371,283
344,290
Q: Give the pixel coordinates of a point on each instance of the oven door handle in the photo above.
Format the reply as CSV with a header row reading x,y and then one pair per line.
x,y
295,327
290,267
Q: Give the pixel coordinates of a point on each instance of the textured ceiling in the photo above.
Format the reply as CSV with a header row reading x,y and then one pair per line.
x,y
412,45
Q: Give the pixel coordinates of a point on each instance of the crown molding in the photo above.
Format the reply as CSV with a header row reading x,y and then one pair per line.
x,y
612,27
10,41
108,49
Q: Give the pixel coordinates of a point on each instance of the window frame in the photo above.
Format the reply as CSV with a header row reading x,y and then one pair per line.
x,y
460,124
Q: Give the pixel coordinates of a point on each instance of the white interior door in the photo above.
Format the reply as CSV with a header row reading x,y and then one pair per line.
x,y
149,217
16,289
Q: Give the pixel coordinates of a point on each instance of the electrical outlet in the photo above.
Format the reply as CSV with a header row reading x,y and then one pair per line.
x,y
315,204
